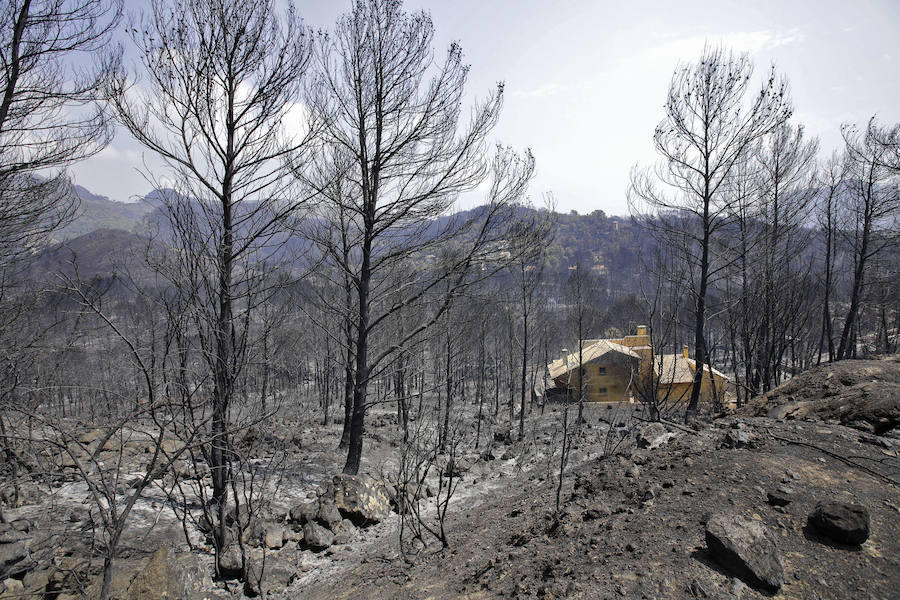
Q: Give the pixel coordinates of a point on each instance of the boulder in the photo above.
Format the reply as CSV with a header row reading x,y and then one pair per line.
x,y
275,574
304,512
747,549
10,535
597,511
344,532
651,436
328,514
738,438
361,498
230,564
89,437
274,536
780,497
841,522
15,560
13,588
317,537
458,467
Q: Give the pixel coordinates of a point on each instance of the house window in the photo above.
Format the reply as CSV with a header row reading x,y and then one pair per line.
x,y
601,370
601,391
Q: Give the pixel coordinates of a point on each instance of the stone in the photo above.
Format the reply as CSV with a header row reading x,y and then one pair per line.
x,y
254,533
10,535
230,563
698,590
738,438
304,512
780,497
13,588
15,559
274,537
746,548
458,467
276,573
317,537
597,511
36,581
343,532
361,498
841,522
123,573
328,514
89,437
652,436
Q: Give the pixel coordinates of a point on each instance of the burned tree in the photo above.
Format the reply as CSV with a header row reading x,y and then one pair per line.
x,y
221,79
380,98
708,130
873,204
50,115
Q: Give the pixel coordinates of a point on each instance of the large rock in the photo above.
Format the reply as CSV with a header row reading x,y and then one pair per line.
x,y
304,512
230,563
15,559
344,532
328,514
746,548
272,572
317,537
844,523
361,498
652,436
274,538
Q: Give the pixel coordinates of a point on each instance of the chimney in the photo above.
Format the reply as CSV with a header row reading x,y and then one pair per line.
x,y
685,352
642,330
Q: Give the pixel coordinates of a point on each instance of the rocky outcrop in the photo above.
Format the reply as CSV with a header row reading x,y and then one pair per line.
x,y
747,549
844,523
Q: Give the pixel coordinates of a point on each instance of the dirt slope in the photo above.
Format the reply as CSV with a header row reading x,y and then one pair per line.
x,y
632,525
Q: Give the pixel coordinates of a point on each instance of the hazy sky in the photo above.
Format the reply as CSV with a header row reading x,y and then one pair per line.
x,y
586,79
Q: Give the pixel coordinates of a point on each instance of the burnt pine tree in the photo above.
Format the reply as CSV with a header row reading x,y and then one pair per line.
x,y
220,77
383,98
50,114
709,128
873,204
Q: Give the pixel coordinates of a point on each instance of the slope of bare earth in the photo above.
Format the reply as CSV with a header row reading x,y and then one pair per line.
x,y
632,525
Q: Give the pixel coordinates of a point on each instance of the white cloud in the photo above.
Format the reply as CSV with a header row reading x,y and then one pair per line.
x,y
738,41
542,91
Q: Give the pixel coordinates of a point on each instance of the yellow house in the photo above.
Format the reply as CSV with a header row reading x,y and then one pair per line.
x,y
607,372
621,369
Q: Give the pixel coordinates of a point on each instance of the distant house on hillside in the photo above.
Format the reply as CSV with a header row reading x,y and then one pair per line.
x,y
616,370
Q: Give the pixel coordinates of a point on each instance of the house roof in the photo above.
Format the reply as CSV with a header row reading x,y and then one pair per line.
x,y
593,352
679,368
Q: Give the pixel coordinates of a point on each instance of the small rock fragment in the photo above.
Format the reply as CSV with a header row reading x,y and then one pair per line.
x,y
780,497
